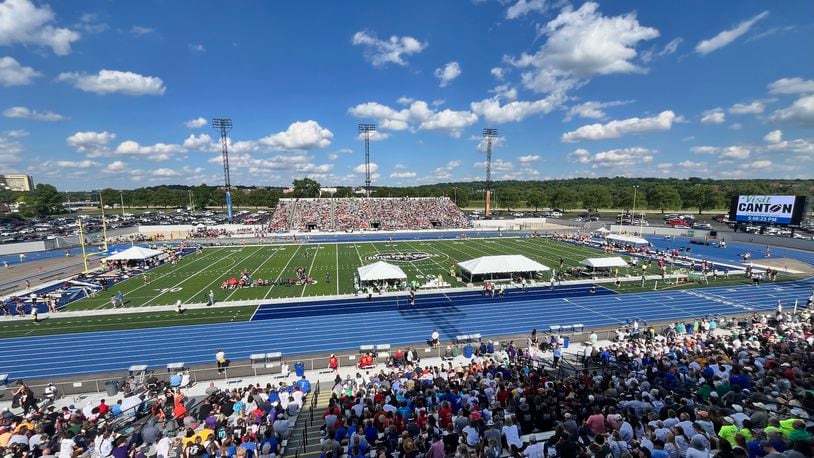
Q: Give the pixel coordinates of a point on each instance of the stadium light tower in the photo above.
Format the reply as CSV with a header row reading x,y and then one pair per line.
x,y
366,129
489,134
223,126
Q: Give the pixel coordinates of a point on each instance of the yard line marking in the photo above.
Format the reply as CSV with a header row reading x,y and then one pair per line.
x,y
282,271
308,274
170,273
336,280
217,278
257,271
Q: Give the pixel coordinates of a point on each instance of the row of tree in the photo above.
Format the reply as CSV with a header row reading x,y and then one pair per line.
x,y
588,193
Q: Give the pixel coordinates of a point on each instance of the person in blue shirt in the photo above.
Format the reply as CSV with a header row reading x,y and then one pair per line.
x,y
341,434
304,385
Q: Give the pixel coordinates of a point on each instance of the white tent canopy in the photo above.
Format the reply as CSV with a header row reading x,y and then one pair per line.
x,y
135,253
627,239
601,263
501,265
381,271
602,230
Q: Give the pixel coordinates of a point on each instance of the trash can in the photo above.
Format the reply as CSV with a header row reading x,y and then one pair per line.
x,y
112,387
468,351
299,368
566,341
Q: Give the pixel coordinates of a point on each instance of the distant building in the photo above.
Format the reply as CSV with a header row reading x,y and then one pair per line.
x,y
16,182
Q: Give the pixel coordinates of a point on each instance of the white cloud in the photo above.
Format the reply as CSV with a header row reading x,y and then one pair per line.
x,y
664,165
697,166
800,112
592,109
116,166
791,86
374,136
614,158
763,164
374,167
445,172
736,126
93,144
773,137
114,81
516,111
505,91
616,129
138,30
197,48
498,165
14,74
727,36
26,113
755,107
403,174
581,44
17,133
10,150
731,152
449,72
202,142
713,116
524,7
72,164
89,22
417,116
525,160
196,123
165,172
299,136
670,48
393,51
21,22
157,152
404,100
498,72
497,142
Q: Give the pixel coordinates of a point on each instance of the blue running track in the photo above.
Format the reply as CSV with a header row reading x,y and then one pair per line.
x,y
276,330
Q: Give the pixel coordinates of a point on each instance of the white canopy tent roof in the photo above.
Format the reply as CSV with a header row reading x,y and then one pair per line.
x,y
501,264
381,271
135,253
595,263
602,230
627,239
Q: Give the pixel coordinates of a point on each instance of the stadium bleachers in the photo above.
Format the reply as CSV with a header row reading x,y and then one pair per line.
x,y
349,214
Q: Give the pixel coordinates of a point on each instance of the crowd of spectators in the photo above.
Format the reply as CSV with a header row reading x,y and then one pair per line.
x,y
352,214
741,388
252,422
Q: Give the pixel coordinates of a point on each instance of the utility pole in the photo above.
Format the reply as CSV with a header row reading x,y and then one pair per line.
x,y
365,130
223,126
489,134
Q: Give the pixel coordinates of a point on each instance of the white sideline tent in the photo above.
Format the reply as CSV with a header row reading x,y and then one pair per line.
x,y
135,253
603,265
501,266
627,240
381,270
602,230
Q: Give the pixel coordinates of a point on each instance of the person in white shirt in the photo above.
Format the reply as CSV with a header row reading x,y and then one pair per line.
x,y
512,433
535,449
66,447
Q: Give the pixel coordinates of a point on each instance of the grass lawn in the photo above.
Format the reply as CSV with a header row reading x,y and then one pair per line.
x,y
193,277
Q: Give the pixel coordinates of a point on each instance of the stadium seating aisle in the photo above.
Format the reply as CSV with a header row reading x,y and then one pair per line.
x,y
349,214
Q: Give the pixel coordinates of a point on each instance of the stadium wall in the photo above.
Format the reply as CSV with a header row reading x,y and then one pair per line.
x,y
28,247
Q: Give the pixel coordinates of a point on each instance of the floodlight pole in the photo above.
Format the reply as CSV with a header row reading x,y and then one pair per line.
x,y
223,126
104,221
635,189
366,129
489,134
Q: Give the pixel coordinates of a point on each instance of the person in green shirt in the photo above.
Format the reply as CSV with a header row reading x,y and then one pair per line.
x,y
787,426
799,433
774,426
728,431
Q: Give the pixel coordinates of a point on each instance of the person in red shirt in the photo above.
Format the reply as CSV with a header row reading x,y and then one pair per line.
x,y
333,363
103,408
445,415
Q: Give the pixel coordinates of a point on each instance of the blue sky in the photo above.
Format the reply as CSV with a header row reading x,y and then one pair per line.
x,y
120,94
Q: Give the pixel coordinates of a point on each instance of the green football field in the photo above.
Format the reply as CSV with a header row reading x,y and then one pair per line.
x,y
195,275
